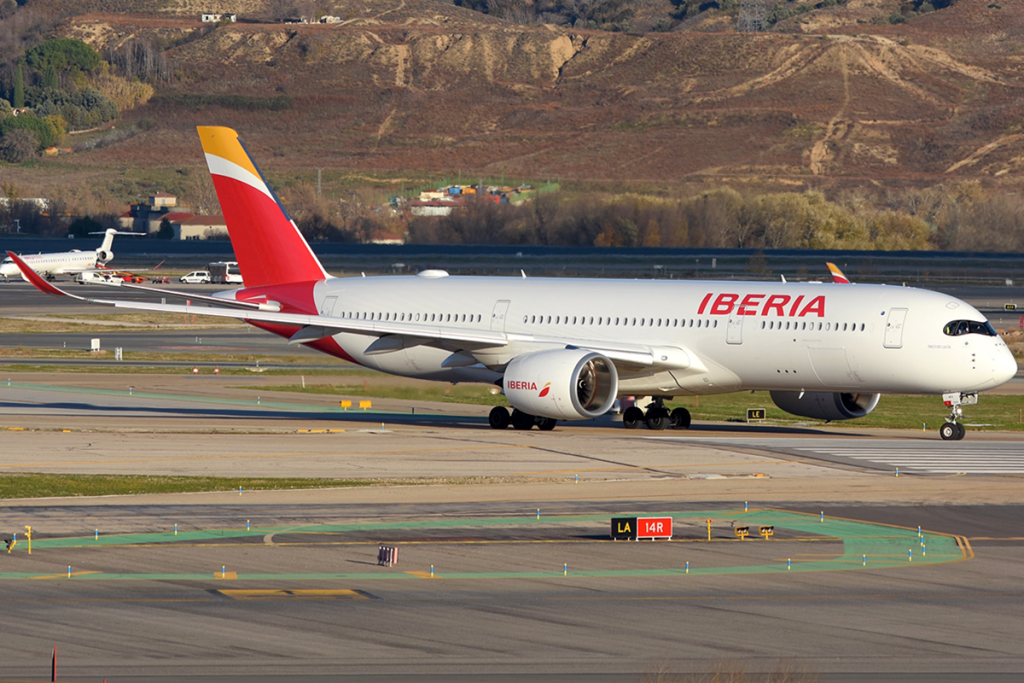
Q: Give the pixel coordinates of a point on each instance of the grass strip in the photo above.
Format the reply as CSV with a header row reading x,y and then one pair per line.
x,y
472,394
52,324
12,370
41,485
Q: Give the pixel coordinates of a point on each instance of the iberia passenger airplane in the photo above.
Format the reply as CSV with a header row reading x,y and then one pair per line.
x,y
64,262
565,349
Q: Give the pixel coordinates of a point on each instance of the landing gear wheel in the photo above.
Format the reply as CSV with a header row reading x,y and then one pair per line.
x,y
680,418
950,431
632,418
546,424
498,418
961,431
521,420
658,419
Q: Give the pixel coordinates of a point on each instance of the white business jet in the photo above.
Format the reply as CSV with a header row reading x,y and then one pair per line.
x,y
65,262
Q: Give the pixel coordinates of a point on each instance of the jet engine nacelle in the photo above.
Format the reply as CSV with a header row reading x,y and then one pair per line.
x,y
822,405
567,384
103,256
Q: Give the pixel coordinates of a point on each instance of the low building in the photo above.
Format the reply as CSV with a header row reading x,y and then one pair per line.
x,y
147,217
217,17
201,228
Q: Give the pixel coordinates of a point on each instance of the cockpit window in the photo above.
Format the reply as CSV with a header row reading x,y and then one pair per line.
x,y
959,327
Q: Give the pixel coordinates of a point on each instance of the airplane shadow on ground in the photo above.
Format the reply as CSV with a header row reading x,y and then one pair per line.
x,y
80,409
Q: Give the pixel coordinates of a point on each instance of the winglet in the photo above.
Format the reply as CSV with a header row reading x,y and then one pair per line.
x,y
837,275
32,276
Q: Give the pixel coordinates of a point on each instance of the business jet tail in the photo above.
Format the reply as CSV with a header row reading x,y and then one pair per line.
x,y
268,245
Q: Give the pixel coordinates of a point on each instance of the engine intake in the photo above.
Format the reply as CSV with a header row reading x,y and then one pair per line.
x,y
822,405
568,384
103,256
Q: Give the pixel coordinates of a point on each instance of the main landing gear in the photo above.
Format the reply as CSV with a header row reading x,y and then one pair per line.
x,y
953,430
656,417
500,419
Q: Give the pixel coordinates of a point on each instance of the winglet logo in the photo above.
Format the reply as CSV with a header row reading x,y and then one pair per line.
x,y
545,390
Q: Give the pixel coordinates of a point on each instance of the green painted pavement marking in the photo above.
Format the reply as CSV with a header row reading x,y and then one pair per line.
x,y
884,546
203,399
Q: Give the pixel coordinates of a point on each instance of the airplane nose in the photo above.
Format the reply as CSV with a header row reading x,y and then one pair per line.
x,y
1005,366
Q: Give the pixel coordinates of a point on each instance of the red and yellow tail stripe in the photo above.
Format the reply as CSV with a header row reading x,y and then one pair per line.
x,y
267,243
837,275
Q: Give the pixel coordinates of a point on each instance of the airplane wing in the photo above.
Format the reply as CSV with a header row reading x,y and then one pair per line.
x,y
312,327
391,336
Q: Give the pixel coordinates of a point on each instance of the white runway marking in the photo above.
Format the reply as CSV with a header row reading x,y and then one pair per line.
x,y
912,457
939,458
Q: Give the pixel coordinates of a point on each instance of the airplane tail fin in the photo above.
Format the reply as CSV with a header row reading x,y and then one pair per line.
x,y
837,275
104,253
268,245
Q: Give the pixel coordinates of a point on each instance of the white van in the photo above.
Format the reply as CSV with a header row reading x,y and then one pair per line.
x,y
196,277
98,276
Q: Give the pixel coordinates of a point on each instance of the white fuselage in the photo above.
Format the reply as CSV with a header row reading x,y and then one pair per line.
x,y
706,336
52,264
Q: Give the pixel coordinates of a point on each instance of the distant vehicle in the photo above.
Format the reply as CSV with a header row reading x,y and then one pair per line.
x,y
196,277
99,276
225,273
129,277
64,262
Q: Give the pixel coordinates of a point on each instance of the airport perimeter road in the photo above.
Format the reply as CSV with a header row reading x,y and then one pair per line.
x,y
513,598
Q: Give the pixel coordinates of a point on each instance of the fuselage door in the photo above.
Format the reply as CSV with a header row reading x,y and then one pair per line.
x,y
734,330
894,328
498,315
327,307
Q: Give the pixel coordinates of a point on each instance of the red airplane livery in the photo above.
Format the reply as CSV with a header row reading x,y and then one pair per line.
x,y
567,348
763,304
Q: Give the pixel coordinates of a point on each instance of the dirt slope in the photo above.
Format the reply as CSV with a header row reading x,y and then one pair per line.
x,y
430,87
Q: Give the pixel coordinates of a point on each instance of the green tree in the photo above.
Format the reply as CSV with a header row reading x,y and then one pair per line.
x,y
50,79
63,54
18,100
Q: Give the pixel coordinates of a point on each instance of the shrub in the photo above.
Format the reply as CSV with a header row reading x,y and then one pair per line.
x,y
46,132
17,145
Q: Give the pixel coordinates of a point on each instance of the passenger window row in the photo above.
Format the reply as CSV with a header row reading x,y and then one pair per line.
x,y
414,317
803,325
616,322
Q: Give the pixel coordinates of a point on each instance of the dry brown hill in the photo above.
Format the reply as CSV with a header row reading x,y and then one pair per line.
x,y
424,86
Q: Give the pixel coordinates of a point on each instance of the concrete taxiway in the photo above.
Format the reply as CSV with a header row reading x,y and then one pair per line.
x,y
274,585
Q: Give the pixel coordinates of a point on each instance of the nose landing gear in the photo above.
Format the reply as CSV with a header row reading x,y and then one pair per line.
x,y
953,430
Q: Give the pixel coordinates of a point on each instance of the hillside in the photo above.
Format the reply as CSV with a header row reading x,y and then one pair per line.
x,y
430,88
